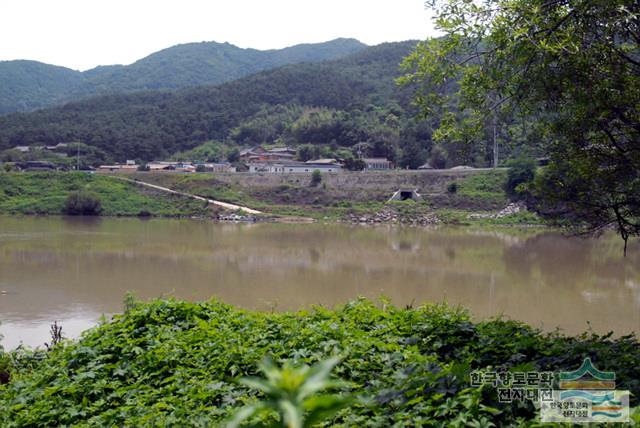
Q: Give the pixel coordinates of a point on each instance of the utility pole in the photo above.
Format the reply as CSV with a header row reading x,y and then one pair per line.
x,y
495,141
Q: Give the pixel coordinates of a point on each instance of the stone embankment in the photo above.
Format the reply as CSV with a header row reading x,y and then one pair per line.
x,y
349,183
235,218
512,208
391,216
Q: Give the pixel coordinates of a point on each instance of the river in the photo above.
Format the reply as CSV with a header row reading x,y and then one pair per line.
x,y
74,270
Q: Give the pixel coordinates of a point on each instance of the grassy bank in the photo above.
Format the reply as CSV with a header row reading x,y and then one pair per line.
x,y
452,197
168,363
46,193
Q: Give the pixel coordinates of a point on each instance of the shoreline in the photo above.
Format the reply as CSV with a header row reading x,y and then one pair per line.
x,y
360,198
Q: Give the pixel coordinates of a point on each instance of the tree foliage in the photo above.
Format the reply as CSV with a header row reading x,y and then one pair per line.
x,y
521,173
82,203
343,108
568,67
301,103
316,178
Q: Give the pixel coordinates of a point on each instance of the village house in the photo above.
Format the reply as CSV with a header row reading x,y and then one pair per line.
x,y
190,166
35,166
259,154
246,154
284,150
161,165
129,165
117,167
184,167
217,167
378,164
57,147
26,149
322,165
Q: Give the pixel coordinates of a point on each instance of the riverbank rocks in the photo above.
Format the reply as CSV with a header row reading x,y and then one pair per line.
x,y
512,208
392,216
237,218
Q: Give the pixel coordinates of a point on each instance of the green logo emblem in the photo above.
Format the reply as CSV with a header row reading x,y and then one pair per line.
x,y
587,377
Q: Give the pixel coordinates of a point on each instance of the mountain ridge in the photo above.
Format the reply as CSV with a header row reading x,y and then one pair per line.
x,y
27,85
154,124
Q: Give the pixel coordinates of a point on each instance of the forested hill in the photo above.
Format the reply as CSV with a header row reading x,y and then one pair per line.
x,y
156,124
28,85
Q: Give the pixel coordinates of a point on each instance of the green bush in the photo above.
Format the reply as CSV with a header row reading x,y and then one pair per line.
x,y
352,164
82,203
316,177
5,376
521,173
293,393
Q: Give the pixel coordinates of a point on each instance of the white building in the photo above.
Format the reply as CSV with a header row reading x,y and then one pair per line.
x,y
378,164
294,167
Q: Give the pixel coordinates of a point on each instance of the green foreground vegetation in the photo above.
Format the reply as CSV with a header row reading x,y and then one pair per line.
x,y
174,363
48,193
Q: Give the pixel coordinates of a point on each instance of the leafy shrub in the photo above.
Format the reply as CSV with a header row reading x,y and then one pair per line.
x,y
292,392
316,178
521,173
5,376
352,164
168,363
82,203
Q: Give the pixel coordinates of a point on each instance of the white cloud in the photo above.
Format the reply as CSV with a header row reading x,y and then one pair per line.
x,y
84,33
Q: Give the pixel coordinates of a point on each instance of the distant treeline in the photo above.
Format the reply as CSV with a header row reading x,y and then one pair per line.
x,y
352,103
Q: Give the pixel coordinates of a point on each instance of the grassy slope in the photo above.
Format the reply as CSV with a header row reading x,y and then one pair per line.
x,y
487,187
169,363
482,190
46,192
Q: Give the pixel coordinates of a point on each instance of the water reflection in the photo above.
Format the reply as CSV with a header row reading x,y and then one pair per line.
x,y
74,270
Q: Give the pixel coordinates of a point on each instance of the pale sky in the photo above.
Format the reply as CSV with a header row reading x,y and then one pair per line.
x,y
82,34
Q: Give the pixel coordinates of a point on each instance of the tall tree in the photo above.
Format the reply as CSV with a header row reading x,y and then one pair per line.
x,y
573,65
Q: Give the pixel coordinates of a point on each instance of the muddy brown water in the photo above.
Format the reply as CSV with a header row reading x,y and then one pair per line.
x,y
74,270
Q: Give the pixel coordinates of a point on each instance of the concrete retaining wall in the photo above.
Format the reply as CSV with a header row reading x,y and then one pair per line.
x,y
433,181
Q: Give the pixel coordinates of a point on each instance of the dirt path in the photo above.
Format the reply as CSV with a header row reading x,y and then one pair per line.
x,y
224,205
